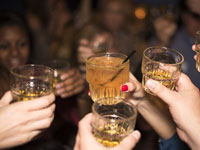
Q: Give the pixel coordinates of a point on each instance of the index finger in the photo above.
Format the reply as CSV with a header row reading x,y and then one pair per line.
x,y
68,74
85,125
38,103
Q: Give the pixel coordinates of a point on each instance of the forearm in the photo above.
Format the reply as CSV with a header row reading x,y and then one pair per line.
x,y
193,137
158,117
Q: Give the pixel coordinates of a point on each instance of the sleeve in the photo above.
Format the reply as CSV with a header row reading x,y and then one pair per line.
x,y
173,143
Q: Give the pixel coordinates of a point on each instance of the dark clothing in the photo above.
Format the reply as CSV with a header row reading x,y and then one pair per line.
x,y
183,43
174,143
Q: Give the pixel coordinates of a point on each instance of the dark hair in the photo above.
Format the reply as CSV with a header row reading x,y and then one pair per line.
x,y
13,19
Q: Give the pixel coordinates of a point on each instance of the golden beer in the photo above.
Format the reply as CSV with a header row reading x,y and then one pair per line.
x,y
29,93
31,81
59,66
198,61
162,76
105,74
161,64
56,80
112,122
110,135
197,49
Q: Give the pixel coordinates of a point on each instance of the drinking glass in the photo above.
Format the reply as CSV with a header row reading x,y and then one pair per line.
x,y
197,49
31,81
105,73
113,119
161,64
59,66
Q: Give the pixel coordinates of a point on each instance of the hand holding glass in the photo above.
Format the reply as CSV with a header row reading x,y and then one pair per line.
x,y
161,64
113,120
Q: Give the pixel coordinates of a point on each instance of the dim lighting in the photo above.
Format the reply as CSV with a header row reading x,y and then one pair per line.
x,y
140,13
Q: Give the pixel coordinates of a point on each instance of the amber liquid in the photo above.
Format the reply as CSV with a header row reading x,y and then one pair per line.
x,y
55,82
110,135
164,77
29,93
198,61
105,81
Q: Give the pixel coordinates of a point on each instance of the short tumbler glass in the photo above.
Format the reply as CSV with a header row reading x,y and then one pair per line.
x,y
31,81
161,64
113,119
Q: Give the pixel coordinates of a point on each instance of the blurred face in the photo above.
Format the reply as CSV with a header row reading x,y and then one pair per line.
x,y
113,16
192,23
14,46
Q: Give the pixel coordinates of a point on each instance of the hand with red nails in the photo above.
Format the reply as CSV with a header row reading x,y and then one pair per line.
x,y
153,110
72,83
135,87
184,106
22,121
85,140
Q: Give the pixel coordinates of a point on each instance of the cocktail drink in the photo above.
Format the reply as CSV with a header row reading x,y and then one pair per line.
x,y
59,66
31,81
105,74
161,64
197,49
113,119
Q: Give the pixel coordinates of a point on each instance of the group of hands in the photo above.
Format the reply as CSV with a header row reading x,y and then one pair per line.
x,y
24,120
174,111
183,104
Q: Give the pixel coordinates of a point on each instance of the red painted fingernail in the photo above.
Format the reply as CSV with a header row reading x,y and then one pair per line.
x,y
89,92
124,88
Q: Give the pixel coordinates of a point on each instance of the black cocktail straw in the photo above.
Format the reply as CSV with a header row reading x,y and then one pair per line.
x,y
129,56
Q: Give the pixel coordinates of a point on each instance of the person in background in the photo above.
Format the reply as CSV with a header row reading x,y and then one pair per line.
x,y
14,46
15,49
164,20
185,35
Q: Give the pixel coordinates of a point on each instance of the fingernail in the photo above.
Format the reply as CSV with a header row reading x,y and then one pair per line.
x,y
137,135
89,92
151,84
124,88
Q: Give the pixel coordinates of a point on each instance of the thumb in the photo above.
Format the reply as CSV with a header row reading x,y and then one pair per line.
x,y
6,99
129,142
161,91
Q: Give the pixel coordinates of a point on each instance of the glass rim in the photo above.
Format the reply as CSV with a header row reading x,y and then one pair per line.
x,y
29,65
164,48
107,54
122,100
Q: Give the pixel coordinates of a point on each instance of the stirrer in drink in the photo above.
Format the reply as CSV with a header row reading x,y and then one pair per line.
x,y
115,76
